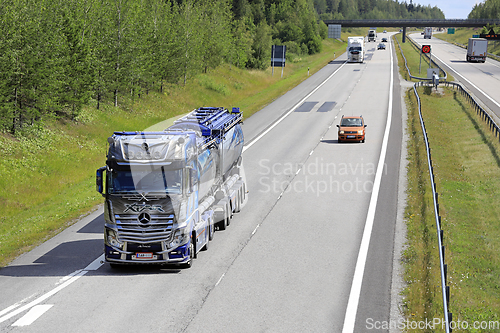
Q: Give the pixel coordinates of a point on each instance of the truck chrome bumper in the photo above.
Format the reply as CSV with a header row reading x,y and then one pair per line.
x,y
175,256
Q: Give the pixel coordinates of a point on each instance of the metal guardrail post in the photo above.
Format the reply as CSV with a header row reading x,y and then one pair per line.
x,y
445,289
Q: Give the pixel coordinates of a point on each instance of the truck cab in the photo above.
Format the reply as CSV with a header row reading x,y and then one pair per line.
x,y
355,49
166,191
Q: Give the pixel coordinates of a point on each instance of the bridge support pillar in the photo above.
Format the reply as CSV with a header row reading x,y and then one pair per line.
x,y
403,39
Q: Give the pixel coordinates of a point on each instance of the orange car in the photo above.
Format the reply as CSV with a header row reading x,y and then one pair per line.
x,y
352,128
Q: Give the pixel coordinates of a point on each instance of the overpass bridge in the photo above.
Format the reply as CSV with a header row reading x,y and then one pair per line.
x,y
404,23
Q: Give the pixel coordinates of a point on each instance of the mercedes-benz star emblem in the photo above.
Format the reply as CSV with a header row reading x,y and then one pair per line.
x,y
144,218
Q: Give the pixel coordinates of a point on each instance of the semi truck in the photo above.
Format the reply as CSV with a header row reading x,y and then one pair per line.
x,y
427,33
355,49
166,192
477,49
372,35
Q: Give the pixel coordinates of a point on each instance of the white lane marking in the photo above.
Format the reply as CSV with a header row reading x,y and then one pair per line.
x,y
255,230
10,308
32,315
291,110
352,305
43,297
220,279
69,279
472,84
96,264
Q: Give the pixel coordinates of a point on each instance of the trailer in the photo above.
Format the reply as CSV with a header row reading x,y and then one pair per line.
x,y
165,193
477,49
428,33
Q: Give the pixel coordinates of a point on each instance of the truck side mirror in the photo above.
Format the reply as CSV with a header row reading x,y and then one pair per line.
x,y
98,179
193,176
193,179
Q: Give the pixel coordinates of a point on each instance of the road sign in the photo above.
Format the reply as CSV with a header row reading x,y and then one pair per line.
x,y
426,49
278,55
431,72
490,36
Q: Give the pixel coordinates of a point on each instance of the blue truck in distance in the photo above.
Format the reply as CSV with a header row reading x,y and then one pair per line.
x,y
166,192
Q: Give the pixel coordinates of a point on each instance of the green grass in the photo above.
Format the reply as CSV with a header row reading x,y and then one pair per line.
x,y
466,160
48,170
422,293
418,65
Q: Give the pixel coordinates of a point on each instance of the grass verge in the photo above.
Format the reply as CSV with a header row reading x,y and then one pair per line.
x,y
48,170
466,160
418,65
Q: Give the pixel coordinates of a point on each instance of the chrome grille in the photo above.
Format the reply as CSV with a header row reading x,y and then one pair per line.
x,y
131,230
142,197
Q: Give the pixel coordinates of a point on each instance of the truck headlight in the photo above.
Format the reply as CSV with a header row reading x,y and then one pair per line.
x,y
360,132
341,132
112,239
181,237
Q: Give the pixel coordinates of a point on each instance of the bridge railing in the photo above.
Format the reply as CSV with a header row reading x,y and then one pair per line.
x,y
438,23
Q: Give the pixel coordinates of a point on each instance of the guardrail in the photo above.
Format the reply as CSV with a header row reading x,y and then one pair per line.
x,y
445,290
445,76
478,108
440,233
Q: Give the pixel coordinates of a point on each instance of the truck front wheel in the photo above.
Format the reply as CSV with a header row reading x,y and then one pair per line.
x,y
189,263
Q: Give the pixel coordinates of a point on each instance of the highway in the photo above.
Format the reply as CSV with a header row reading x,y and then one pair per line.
x,y
312,250
482,79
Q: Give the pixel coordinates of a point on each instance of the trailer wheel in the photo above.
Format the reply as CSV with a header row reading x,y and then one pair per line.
x,y
194,244
230,215
211,231
222,224
238,201
205,247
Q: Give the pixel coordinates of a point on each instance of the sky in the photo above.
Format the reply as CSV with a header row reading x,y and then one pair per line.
x,y
452,9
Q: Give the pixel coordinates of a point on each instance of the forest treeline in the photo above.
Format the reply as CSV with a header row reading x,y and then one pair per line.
x,y
57,56
375,9
486,9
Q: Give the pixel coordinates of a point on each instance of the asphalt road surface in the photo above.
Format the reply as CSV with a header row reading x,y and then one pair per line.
x,y
482,79
312,250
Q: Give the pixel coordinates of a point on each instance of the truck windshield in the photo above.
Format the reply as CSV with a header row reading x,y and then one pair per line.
x,y
355,48
158,180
